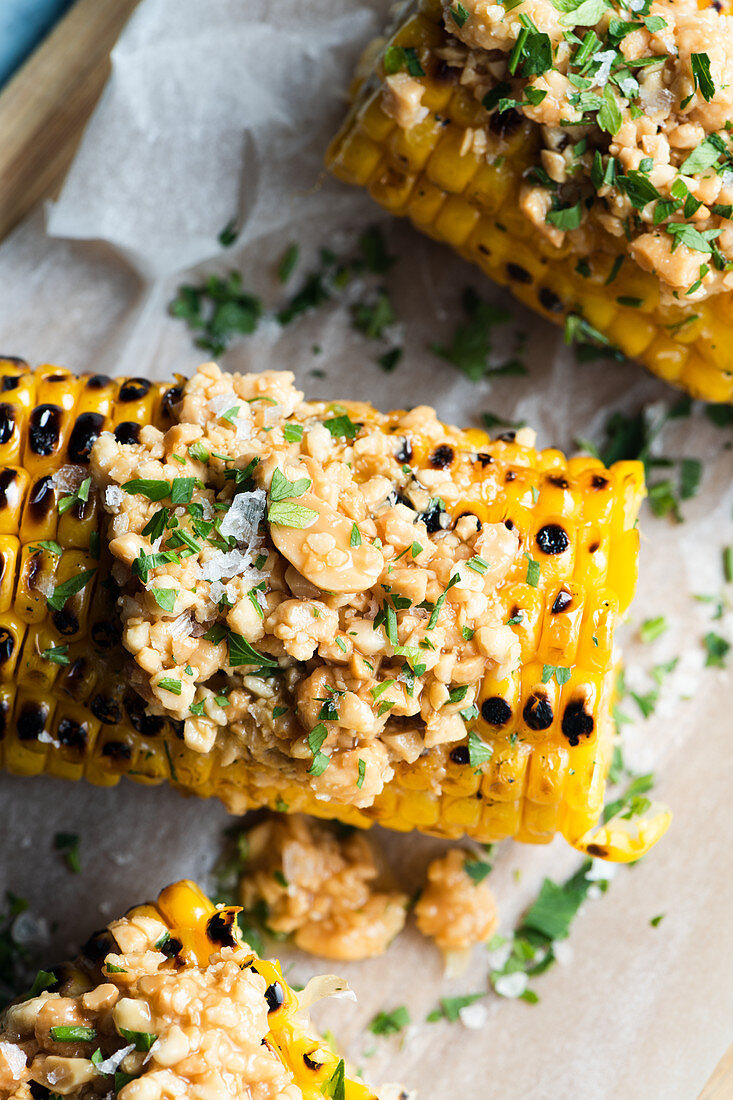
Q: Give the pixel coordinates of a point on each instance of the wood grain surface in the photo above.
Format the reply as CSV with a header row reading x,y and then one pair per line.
x,y
720,1085
44,108
43,111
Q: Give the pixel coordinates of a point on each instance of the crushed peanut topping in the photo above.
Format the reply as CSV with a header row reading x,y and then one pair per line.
x,y
294,591
317,883
146,1027
631,106
455,909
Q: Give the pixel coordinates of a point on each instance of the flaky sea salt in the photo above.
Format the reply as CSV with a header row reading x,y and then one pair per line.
x,y
473,1016
235,411
232,563
113,496
67,479
511,985
245,514
606,58
14,1059
112,1064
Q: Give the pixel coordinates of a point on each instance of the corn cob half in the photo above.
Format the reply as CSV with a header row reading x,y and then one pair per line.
x,y
532,757
144,985
467,195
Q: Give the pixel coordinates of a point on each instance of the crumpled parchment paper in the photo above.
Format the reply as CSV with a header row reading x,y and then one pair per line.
x,y
224,110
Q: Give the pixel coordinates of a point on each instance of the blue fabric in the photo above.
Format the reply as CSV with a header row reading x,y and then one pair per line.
x,y
23,23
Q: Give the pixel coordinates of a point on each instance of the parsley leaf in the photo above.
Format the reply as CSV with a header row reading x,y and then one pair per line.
x,y
281,488
389,1023
242,653
63,592
471,343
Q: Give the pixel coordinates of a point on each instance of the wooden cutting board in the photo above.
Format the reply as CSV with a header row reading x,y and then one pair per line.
x,y
43,111
46,105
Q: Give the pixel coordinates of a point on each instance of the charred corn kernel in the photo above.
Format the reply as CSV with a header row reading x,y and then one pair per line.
x,y
543,729
187,930
466,196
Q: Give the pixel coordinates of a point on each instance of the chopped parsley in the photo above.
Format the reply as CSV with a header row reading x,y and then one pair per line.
x,y
165,598
717,650
703,82
63,592
651,629
458,14
67,845
316,737
72,1034
400,58
56,654
479,752
533,571
168,683
342,427
472,343
148,487
449,1008
143,1040
242,653
335,1087
477,869
390,1023
228,235
561,674
288,262
80,496
293,433
217,310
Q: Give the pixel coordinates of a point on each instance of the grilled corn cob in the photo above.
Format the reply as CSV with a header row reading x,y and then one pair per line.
x,y
455,158
145,984
519,748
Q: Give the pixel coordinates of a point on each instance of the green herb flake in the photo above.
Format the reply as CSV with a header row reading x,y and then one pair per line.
x,y
147,487
228,235
143,1040
242,653
566,217
168,683
450,1007
288,262
533,571
72,1034
316,737
477,869
398,58
651,629
48,544
717,650
335,1087
609,117
479,753
342,427
471,345
281,488
165,598
293,433
561,674
63,592
458,14
390,1023
56,654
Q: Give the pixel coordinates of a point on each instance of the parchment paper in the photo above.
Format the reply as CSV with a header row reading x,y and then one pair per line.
x,y
225,108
